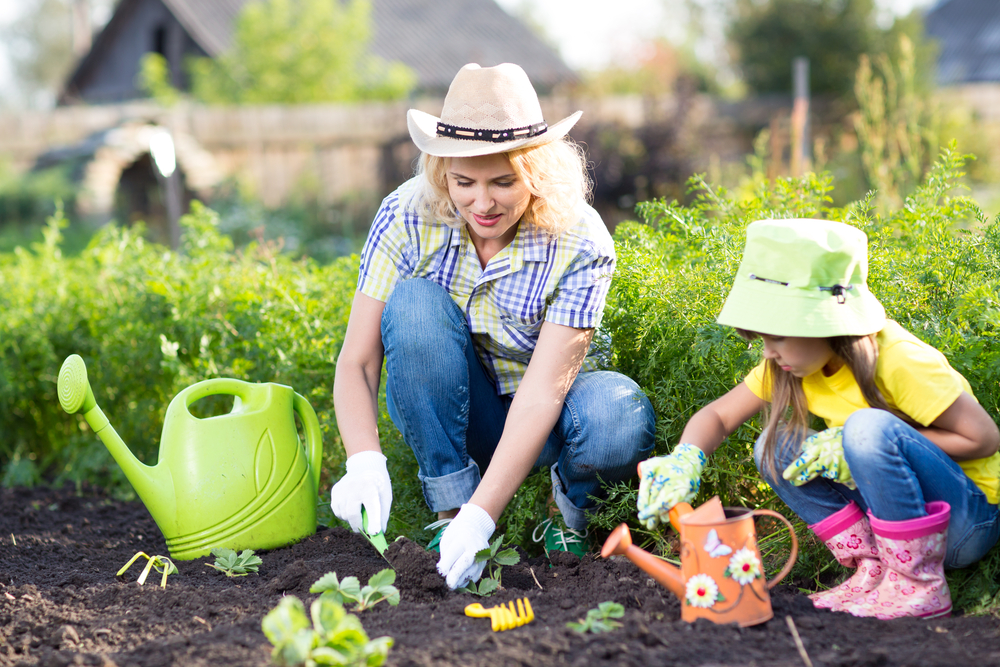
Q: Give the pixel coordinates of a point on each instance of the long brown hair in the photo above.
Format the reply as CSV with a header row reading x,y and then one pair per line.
x,y
788,410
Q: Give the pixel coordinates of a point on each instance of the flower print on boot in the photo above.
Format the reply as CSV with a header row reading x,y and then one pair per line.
x,y
848,535
912,552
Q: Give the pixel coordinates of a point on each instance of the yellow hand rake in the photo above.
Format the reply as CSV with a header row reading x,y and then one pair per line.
x,y
504,618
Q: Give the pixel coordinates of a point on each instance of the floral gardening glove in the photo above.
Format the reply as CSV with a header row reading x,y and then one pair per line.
x,y
822,456
668,480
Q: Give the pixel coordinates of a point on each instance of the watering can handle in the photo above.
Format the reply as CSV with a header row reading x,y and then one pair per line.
x,y
795,547
314,438
227,386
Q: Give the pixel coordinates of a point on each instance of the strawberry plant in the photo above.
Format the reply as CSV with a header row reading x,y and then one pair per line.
x,y
232,564
495,560
380,587
599,620
334,637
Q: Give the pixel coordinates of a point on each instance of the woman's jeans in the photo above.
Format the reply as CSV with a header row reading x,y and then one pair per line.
x,y
450,415
897,470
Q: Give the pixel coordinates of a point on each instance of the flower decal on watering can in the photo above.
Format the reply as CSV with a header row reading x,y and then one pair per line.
x,y
702,591
744,567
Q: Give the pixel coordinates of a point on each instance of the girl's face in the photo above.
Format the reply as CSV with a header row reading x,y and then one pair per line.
x,y
489,196
800,356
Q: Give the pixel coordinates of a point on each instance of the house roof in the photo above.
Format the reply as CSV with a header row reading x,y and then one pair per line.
x,y
968,33
434,37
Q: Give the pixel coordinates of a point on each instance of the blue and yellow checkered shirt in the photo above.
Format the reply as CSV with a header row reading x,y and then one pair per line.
x,y
535,279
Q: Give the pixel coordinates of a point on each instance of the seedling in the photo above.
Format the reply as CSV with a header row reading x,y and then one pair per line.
x,y
380,587
598,620
161,563
334,637
495,560
232,564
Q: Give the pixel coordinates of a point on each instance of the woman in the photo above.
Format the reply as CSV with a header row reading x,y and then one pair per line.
x,y
481,284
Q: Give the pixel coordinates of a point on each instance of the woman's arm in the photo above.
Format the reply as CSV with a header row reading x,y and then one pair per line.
x,y
965,430
537,404
719,419
356,380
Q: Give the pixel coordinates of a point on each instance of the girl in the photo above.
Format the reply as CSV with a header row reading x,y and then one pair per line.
x,y
481,284
904,481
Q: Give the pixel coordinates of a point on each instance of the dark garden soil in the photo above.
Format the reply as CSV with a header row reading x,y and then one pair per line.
x,y
61,604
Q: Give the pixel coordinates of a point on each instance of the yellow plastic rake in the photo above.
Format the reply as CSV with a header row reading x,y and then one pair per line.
x,y
504,618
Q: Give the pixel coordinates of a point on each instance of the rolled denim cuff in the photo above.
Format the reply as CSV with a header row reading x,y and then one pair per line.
x,y
574,517
450,491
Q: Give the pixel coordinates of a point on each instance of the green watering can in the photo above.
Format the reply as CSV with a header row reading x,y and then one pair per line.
x,y
239,480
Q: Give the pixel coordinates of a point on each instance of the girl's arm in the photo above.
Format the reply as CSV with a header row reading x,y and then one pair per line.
x,y
357,377
964,431
537,404
719,419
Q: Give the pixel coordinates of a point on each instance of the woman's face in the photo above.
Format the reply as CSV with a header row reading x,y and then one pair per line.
x,y
800,356
489,196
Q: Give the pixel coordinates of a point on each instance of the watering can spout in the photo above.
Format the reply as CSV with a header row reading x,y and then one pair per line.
x,y
620,543
153,484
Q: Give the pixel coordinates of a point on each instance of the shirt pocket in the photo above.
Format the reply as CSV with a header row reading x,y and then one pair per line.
x,y
520,333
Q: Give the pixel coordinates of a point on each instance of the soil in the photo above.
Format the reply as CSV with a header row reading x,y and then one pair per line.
x,y
61,604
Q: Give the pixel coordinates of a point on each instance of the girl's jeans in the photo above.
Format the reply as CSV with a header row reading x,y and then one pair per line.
x,y
897,470
450,415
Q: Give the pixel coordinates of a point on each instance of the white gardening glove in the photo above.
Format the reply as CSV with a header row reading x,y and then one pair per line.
x,y
466,535
366,483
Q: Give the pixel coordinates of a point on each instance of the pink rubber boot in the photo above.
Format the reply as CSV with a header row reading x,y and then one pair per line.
x,y
848,535
913,554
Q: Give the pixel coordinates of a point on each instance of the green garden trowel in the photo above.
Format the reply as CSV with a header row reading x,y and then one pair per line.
x,y
377,539
240,480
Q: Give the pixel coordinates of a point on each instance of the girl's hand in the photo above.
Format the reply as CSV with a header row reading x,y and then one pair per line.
x,y
668,480
822,456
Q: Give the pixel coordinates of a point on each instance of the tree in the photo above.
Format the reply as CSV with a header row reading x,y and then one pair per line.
x,y
298,51
40,45
832,34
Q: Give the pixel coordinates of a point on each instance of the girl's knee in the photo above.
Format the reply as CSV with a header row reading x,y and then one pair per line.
x,y
865,432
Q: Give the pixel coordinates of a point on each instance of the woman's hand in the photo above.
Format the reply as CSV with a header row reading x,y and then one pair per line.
x,y
467,534
366,483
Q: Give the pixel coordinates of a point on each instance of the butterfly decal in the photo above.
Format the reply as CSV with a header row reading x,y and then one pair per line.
x,y
714,546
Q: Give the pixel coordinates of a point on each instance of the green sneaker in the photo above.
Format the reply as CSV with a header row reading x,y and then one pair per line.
x,y
558,537
439,525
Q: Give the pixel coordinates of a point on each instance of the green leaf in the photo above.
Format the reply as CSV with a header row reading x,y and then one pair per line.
x,y
328,582
507,557
611,610
488,586
350,587
284,621
385,577
327,615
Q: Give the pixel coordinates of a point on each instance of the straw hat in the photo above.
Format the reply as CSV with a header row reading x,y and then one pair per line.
x,y
803,278
487,110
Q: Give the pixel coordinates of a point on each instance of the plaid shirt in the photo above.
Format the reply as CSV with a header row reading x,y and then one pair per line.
x,y
535,279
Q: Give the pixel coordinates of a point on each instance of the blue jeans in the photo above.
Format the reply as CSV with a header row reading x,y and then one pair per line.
x,y
450,415
897,470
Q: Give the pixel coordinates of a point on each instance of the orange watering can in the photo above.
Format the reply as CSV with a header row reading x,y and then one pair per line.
x,y
721,577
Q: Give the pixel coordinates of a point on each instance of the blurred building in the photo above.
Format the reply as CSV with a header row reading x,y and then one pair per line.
x,y
433,37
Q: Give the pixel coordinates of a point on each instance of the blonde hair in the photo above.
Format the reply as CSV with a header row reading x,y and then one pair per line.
x,y
788,410
554,173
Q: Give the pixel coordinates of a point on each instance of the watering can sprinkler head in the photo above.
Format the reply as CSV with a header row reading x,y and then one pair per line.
x,y
75,394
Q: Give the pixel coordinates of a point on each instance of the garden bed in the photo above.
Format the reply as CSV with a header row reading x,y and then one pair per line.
x,y
61,604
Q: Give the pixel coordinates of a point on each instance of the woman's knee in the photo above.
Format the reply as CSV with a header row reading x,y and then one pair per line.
x,y
418,313
611,412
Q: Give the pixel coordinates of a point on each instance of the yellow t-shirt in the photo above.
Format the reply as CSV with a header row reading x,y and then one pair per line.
x,y
915,379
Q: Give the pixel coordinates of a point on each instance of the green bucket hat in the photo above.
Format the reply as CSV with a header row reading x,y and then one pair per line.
x,y
803,278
